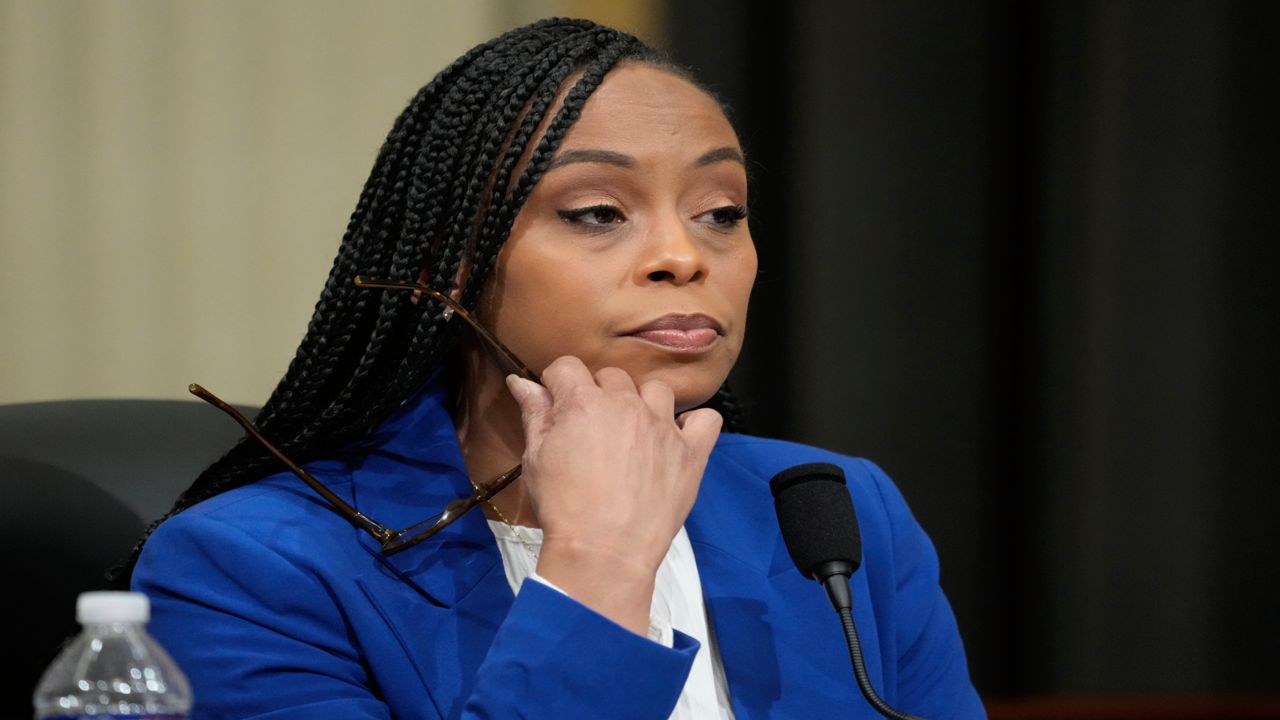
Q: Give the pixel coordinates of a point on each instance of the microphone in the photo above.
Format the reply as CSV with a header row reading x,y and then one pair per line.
x,y
820,530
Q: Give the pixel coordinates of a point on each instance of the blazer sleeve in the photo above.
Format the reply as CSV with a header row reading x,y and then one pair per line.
x,y
554,657
257,635
933,675
260,636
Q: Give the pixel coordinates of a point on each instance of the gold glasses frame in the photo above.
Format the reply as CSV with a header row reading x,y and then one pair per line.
x,y
390,540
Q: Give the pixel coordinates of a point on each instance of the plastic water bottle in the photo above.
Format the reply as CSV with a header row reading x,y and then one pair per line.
x,y
113,669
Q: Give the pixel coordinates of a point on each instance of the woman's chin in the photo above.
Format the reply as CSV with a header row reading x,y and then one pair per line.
x,y
690,396
692,384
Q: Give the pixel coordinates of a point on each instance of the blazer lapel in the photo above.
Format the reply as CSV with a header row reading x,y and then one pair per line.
x,y
453,592
779,640
446,567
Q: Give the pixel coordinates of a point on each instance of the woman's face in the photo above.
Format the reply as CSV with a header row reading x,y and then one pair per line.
x,y
633,250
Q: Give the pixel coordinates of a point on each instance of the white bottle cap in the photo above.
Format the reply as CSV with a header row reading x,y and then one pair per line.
x,y
112,607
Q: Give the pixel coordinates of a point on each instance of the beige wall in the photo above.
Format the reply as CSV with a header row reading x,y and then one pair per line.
x,y
175,176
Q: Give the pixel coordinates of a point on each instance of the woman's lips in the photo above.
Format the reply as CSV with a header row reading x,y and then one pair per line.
x,y
680,332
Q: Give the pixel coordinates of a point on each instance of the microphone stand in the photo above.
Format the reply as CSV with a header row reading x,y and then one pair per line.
x,y
834,576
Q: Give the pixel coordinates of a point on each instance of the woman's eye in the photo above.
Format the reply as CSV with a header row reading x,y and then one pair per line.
x,y
727,217
593,216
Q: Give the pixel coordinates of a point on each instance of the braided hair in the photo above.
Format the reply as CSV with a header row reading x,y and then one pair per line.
x,y
441,194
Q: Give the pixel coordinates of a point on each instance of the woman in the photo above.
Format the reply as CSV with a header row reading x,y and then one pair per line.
x,y
587,201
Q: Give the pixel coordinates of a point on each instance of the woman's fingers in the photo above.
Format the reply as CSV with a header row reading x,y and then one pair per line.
x,y
700,429
659,397
535,403
615,379
564,374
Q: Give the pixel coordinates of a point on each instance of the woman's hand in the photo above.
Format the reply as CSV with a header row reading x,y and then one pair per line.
x,y
611,475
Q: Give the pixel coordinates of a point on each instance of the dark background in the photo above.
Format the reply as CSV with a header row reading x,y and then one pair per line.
x,y
1021,256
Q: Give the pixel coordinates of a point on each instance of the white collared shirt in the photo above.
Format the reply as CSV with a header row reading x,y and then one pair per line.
x,y
677,605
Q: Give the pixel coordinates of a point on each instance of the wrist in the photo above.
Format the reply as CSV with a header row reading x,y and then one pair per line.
x,y
613,584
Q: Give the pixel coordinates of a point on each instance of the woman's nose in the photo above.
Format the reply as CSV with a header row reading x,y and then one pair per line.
x,y
672,254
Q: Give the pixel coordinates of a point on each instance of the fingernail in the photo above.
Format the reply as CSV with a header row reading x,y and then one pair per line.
x,y
514,385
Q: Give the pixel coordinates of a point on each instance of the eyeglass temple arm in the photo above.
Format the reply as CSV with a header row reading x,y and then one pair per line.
x,y
457,508
499,484
365,523
508,359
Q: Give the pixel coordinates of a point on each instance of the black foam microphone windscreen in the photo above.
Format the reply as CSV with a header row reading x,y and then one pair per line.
x,y
816,516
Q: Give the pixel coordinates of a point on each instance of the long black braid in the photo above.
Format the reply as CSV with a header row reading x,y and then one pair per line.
x,y
441,194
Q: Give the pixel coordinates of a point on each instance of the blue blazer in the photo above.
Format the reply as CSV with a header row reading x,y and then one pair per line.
x,y
276,607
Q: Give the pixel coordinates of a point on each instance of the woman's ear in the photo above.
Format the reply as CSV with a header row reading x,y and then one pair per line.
x,y
460,279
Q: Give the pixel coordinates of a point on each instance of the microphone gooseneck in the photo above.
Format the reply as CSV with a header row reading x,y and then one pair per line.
x,y
820,530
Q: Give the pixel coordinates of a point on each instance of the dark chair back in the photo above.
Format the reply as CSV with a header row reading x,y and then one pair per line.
x,y
79,482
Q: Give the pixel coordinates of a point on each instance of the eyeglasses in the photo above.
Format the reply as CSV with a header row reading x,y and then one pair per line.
x,y
390,540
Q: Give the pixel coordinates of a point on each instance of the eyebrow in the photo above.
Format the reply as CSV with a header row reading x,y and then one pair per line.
x,y
730,154
609,157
